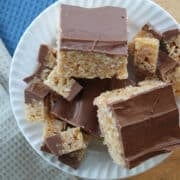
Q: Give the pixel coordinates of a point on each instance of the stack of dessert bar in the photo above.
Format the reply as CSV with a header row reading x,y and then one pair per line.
x,y
96,85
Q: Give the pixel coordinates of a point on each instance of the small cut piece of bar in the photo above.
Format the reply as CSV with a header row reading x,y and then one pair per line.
x,y
46,61
53,127
147,31
139,122
145,68
171,40
36,102
89,46
66,141
66,87
146,55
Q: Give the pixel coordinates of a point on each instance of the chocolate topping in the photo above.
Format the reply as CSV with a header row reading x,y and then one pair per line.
x,y
81,111
53,144
165,64
43,52
171,33
87,29
148,124
35,91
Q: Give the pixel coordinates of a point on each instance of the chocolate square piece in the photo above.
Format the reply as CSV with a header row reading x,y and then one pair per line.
x,y
91,47
139,122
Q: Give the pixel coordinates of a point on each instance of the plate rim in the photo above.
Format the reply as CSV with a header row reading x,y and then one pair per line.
x,y
10,86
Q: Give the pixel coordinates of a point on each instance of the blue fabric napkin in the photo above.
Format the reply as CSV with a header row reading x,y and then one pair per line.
x,y
15,16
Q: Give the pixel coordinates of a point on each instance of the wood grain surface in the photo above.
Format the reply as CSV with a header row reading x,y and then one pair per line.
x,y
170,168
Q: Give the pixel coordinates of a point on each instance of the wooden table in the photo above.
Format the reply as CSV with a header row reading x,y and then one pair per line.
x,y
170,168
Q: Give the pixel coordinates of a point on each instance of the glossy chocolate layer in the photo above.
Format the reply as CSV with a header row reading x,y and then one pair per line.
x,y
35,91
165,65
102,30
81,111
148,124
171,33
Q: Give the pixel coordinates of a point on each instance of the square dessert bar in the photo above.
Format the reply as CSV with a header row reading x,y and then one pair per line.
x,y
53,127
36,102
146,55
93,42
66,87
60,139
139,122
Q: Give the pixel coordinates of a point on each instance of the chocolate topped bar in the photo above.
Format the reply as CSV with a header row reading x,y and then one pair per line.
x,y
139,122
86,29
159,115
93,42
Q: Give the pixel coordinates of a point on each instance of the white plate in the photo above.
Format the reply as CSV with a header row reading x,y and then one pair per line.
x,y
43,29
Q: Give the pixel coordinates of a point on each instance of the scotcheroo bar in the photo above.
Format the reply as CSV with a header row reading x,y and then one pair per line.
x,y
139,122
61,139
89,46
53,127
66,87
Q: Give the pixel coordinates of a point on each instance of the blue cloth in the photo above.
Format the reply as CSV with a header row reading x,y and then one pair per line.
x,y
15,16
